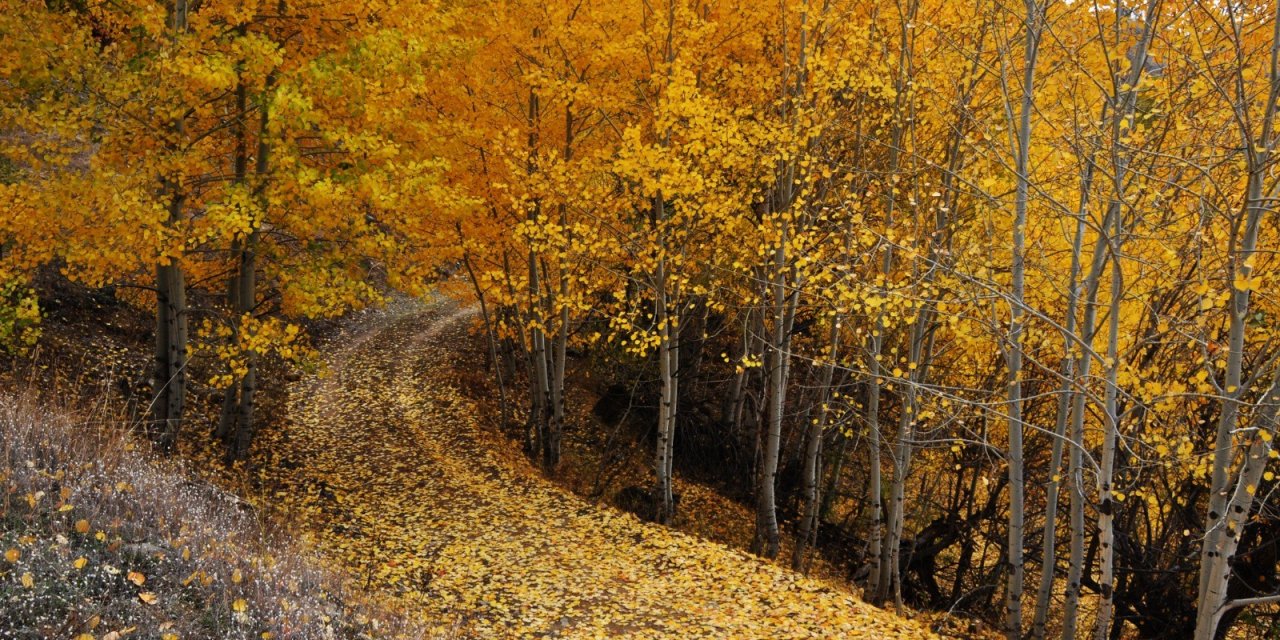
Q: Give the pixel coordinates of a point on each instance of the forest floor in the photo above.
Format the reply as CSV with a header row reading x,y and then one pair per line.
x,y
384,465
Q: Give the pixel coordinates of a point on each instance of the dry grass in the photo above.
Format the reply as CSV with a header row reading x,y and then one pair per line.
x,y
101,540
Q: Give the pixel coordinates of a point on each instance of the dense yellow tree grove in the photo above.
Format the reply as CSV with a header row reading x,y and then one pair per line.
x,y
988,286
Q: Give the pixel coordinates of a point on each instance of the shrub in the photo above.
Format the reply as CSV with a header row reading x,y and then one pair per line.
x,y
19,317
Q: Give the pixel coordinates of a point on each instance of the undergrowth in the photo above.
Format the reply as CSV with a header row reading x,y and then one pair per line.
x,y
102,540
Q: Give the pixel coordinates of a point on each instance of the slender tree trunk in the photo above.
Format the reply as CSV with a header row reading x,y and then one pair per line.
x,y
540,393
231,394
492,340
247,289
767,539
1240,509
879,577
902,451
171,304
1063,414
668,362
675,320
559,350
1075,571
1013,592
889,579
240,169
1227,516
1106,477
753,345
731,412
828,494
665,502
1126,100
171,348
246,292
1075,479
812,450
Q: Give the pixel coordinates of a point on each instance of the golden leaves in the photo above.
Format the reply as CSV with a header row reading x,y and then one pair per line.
x,y
496,542
1242,283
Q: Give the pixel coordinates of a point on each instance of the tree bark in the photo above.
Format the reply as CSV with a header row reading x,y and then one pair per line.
x,y
1126,100
668,362
1226,519
1049,549
767,540
1017,515
1215,600
170,371
812,451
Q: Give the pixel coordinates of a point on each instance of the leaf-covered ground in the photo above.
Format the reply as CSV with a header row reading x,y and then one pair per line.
x,y
386,467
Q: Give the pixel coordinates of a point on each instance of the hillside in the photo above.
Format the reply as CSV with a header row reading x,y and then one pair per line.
x,y
102,540
384,464
393,513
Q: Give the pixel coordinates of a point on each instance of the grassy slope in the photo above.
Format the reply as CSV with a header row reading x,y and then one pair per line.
x,y
99,538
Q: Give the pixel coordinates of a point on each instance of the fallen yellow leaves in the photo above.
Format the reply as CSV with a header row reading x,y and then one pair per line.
x,y
390,472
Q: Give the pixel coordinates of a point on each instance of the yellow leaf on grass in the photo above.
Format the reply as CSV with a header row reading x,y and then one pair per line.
x,y
28,581
148,597
136,578
80,562
237,577
239,605
82,526
12,555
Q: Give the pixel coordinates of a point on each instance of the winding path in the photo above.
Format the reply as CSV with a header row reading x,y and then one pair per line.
x,y
386,466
